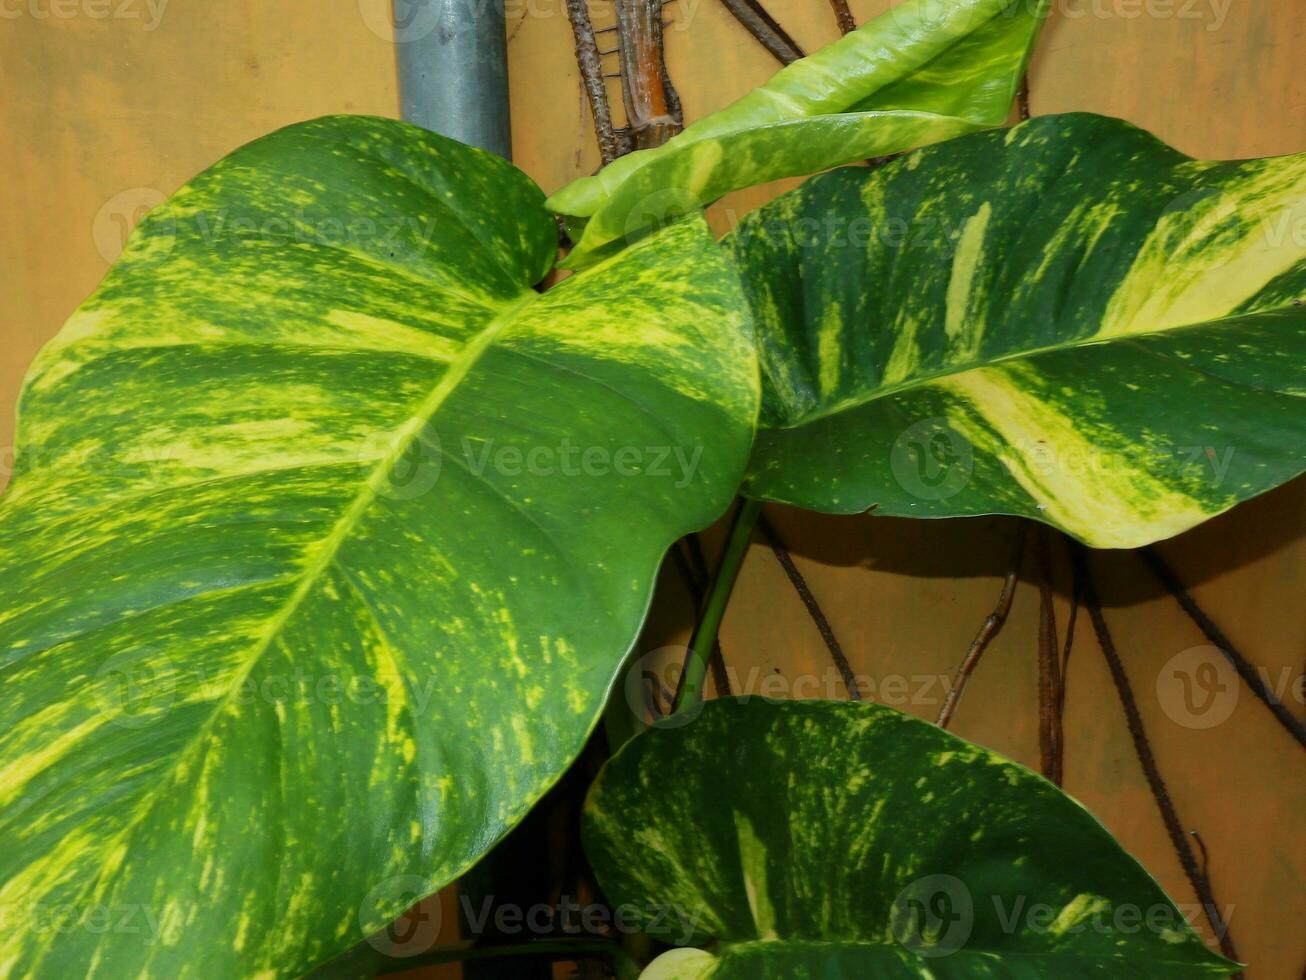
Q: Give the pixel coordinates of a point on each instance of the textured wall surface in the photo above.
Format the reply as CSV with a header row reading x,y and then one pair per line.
x,y
104,115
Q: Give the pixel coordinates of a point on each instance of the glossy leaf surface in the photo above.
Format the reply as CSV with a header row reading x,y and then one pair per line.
x,y
844,840
923,71
1068,320
328,536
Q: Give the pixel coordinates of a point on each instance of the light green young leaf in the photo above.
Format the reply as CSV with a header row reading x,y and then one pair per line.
x,y
328,536
845,840
927,70
1068,321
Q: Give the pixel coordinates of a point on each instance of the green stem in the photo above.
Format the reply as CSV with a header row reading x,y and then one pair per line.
x,y
714,609
558,949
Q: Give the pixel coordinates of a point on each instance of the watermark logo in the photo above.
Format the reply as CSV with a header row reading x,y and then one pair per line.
x,y
660,210
415,460
933,916
1198,688
414,931
931,461
650,685
119,216
930,16
135,687
401,21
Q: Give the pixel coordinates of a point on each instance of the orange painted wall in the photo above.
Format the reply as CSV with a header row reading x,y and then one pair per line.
x,y
102,116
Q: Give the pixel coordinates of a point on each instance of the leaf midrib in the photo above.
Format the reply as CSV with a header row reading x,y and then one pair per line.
x,y
405,437
1094,340
329,547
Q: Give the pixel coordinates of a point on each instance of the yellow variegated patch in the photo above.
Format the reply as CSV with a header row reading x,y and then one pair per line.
x,y
923,71
844,840
1068,321
328,535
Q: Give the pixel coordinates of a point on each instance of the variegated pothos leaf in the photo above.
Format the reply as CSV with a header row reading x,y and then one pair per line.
x,y
845,840
1068,320
328,535
921,72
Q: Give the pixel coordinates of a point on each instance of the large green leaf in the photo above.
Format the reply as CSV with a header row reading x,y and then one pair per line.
x,y
1068,320
328,536
923,71
847,840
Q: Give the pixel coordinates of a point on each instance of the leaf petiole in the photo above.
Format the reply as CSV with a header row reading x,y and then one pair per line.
x,y
714,609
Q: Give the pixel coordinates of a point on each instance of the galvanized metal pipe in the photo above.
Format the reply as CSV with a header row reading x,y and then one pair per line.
x,y
453,79
453,69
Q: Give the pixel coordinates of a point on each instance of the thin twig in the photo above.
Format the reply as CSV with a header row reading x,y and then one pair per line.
x,y
765,29
694,545
844,16
673,100
1201,846
774,25
990,628
652,106
720,672
1022,99
1152,558
814,609
1049,667
668,87
1143,749
688,576
591,74
1071,621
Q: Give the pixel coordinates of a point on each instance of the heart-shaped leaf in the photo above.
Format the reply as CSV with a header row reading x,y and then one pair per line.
x,y
1068,321
328,536
923,71
847,840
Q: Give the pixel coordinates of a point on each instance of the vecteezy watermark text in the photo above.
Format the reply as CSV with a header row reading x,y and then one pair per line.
x,y
566,458
675,923
416,929
66,918
148,11
935,915
137,687
651,683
